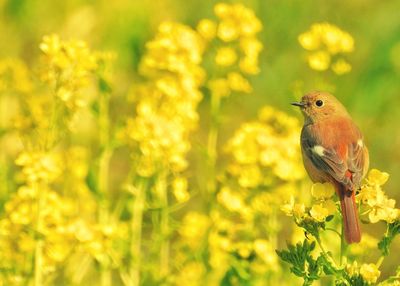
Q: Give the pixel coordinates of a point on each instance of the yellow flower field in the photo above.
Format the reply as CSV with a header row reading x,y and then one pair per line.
x,y
154,143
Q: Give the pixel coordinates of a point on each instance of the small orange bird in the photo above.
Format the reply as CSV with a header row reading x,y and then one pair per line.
x,y
334,151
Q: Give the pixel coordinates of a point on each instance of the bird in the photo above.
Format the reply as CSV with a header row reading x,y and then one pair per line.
x,y
334,151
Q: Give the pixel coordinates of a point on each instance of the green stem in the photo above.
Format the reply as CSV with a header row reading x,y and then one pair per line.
x,y
212,141
4,187
136,233
41,193
103,175
342,246
164,224
380,260
324,252
103,182
334,230
38,273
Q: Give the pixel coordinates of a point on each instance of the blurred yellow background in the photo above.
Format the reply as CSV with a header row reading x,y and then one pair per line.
x,y
154,155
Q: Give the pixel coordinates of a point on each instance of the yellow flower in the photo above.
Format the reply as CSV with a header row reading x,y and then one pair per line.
x,y
377,178
244,249
269,144
250,177
249,65
325,40
166,111
222,10
191,274
322,191
179,187
236,21
226,56
318,212
372,197
230,200
319,61
322,210
228,31
207,29
219,87
238,83
369,272
194,227
367,243
266,252
251,47
38,166
14,75
68,66
352,269
330,206
341,67
386,212
309,41
335,39
293,209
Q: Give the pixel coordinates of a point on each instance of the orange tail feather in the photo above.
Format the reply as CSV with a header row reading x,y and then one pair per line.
x,y
351,225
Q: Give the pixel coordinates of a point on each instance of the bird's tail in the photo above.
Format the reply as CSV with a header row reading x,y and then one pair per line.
x,y
348,205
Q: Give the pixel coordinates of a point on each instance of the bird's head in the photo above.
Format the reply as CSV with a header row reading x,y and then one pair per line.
x,y
317,106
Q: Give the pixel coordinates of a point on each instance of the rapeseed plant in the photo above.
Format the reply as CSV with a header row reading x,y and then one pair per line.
x,y
91,195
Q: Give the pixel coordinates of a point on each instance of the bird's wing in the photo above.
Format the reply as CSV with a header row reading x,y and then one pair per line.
x,y
343,162
356,160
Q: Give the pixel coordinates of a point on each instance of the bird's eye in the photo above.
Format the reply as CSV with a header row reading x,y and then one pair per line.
x,y
319,103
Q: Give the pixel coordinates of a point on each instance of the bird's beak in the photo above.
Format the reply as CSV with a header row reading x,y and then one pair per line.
x,y
299,104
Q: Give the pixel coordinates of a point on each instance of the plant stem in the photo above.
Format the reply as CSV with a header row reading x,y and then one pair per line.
x,y
379,262
334,230
212,141
343,246
41,193
164,224
103,182
103,175
38,273
136,233
4,187
325,253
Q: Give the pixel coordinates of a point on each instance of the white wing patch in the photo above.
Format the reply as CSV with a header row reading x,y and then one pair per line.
x,y
319,150
360,143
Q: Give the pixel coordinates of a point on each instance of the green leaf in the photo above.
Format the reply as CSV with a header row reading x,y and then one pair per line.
x,y
329,218
311,226
393,229
303,264
104,86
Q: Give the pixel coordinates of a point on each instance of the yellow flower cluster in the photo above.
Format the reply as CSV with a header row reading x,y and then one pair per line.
x,y
375,201
236,29
266,149
191,274
325,206
367,243
296,210
320,210
264,166
68,67
326,43
20,220
14,75
166,107
226,241
39,166
62,229
369,272
194,228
